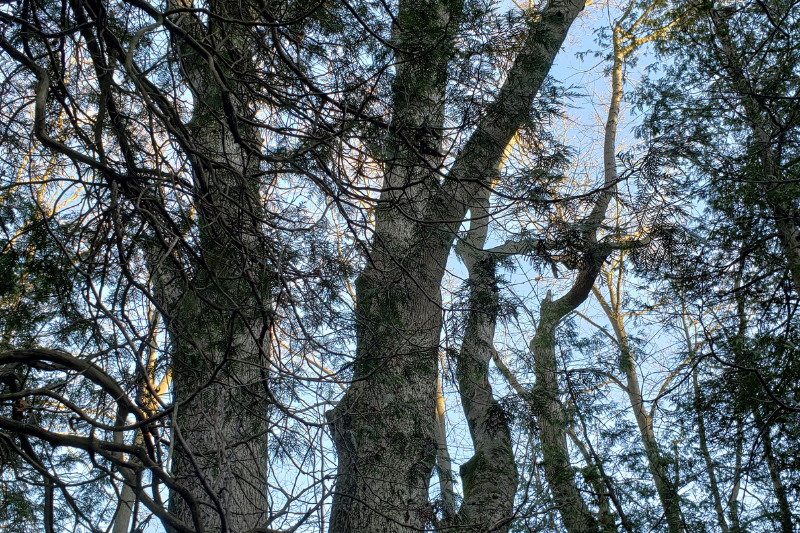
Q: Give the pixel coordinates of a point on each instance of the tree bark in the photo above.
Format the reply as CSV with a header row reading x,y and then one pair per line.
x,y
710,467
656,462
550,412
490,477
443,463
383,428
774,468
220,325
597,482
733,499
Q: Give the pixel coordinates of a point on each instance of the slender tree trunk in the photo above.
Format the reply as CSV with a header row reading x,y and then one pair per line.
x,y
545,397
786,221
443,463
546,400
733,499
552,421
656,462
781,493
127,497
710,467
490,477
597,482
666,490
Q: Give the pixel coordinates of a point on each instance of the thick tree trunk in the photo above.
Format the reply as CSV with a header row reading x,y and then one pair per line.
x,y
220,325
220,429
384,426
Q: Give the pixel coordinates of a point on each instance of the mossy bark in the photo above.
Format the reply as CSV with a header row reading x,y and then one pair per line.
x,y
384,427
219,325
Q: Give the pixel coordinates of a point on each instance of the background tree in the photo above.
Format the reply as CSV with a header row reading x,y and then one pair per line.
x,y
733,132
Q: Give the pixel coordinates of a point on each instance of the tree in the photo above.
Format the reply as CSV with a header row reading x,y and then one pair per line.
x,y
737,142
177,143
228,231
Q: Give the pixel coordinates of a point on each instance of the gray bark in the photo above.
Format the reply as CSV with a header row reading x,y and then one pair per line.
x,y
490,477
656,461
217,327
384,426
220,324
710,467
546,401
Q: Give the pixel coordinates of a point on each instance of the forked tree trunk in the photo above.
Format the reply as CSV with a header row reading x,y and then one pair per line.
x,y
489,479
383,428
549,410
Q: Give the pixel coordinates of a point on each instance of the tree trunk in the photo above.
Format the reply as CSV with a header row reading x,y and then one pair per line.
x,y
490,477
384,426
597,482
552,421
710,467
220,325
656,462
781,493
546,398
733,499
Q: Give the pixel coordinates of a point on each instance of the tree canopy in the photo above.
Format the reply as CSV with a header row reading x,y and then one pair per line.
x,y
386,266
